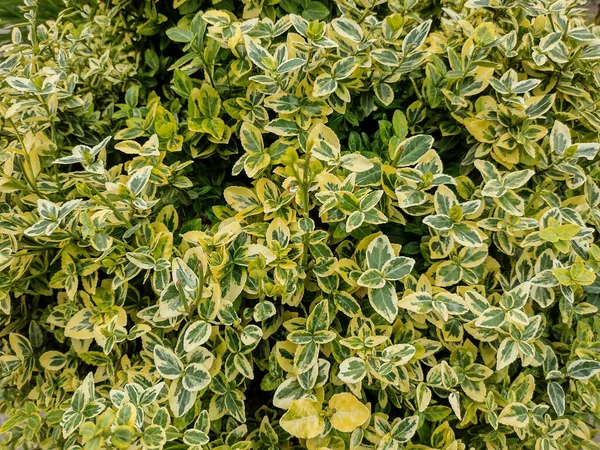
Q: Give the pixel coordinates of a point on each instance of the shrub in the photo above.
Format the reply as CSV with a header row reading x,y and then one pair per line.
x,y
404,254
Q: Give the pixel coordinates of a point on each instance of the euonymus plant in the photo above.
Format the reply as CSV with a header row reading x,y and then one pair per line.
x,y
295,224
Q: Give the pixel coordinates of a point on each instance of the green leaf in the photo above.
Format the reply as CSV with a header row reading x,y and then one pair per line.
x,y
583,369
258,54
196,377
413,148
141,260
123,436
343,68
517,179
181,400
196,335
514,415
467,235
416,37
352,370
418,302
20,345
178,34
21,84
384,301
384,93
492,318
438,222
206,100
138,181
283,127
251,138
379,252
405,429
494,189
539,105
154,436
399,354
557,397
385,57
397,268
371,278
448,273
324,85
306,356
12,422
512,203
354,221
195,437
167,363
348,29
315,11
508,351
290,65
182,83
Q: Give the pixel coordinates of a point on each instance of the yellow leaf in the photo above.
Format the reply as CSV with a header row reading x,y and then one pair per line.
x,y
348,412
485,33
303,419
481,129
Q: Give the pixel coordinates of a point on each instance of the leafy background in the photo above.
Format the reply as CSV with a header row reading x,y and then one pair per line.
x,y
48,10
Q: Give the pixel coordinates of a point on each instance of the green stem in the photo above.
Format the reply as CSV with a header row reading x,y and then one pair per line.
x,y
26,155
397,157
108,203
55,171
305,204
201,283
183,298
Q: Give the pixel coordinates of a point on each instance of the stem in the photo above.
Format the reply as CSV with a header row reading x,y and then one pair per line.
x,y
53,139
305,204
125,244
397,157
201,282
418,94
183,298
108,203
364,15
26,155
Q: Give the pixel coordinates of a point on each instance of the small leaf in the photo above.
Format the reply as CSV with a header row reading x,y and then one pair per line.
x,y
196,377
416,37
196,335
348,412
303,419
180,34
138,180
514,415
347,28
557,397
413,148
167,363
352,370
583,369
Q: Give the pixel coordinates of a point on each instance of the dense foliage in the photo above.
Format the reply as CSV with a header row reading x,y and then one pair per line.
x,y
300,224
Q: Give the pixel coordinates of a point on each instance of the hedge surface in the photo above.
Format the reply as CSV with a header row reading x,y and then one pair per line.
x,y
300,224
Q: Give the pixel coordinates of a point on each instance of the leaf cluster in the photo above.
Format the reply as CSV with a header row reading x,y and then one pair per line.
x,y
300,224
